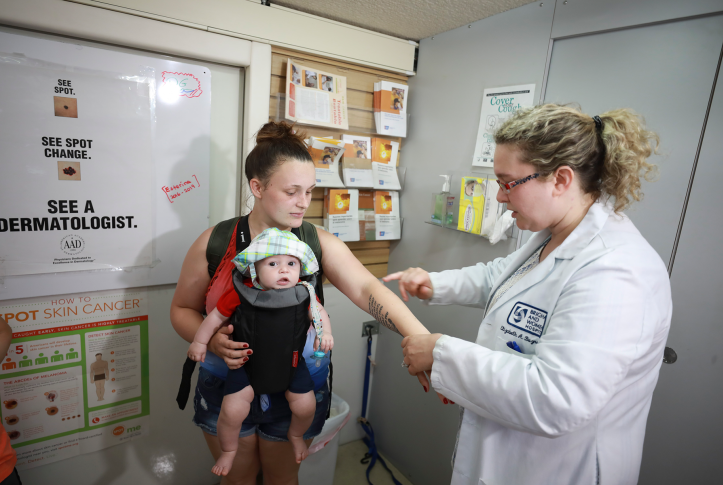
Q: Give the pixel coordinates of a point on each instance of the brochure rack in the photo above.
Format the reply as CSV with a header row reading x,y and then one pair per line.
x,y
374,255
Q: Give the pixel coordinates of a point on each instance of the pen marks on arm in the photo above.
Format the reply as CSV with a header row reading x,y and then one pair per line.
x,y
377,311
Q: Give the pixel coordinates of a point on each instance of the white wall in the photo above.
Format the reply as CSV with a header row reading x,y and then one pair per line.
x,y
175,451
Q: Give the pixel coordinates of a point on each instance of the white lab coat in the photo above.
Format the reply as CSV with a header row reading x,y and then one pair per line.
x,y
592,320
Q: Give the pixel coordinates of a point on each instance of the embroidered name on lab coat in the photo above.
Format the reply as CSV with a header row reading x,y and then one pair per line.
x,y
528,318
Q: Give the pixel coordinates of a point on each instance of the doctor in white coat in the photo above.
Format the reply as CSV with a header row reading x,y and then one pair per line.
x,y
557,387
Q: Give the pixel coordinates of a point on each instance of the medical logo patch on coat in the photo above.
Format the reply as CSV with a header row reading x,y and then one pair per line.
x,y
528,318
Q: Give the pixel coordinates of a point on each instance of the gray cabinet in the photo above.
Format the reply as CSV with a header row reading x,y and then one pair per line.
x,y
666,72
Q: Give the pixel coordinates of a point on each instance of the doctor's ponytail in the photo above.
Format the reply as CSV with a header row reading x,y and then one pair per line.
x,y
608,154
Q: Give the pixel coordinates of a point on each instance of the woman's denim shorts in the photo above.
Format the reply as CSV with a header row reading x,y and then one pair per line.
x,y
271,425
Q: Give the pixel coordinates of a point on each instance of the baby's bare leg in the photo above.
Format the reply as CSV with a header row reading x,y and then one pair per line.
x,y
303,407
234,409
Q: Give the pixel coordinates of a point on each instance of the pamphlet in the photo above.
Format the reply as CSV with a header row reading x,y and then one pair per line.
x,y
326,152
384,161
498,104
471,204
358,146
492,208
367,221
357,164
341,213
357,172
315,97
390,108
386,215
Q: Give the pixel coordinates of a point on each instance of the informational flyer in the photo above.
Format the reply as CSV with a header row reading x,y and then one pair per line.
x,y
76,152
357,164
326,153
341,213
390,112
384,170
315,97
75,379
498,104
387,220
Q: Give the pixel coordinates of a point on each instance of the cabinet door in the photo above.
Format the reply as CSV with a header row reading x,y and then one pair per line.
x,y
666,73
683,442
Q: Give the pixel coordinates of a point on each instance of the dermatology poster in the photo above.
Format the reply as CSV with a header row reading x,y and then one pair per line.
x,y
76,152
75,379
498,104
315,97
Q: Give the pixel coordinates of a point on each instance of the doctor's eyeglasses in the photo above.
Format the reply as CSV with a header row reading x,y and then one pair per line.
x,y
508,187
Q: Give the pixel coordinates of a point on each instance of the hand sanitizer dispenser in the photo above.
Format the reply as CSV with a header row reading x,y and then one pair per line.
x,y
439,202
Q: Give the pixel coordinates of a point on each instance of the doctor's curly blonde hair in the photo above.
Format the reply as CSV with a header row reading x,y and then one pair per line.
x,y
609,163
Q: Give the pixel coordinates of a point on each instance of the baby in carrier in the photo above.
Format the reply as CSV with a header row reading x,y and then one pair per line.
x,y
274,261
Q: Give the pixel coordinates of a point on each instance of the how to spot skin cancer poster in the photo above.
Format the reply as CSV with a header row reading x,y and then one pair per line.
x,y
76,152
498,104
75,379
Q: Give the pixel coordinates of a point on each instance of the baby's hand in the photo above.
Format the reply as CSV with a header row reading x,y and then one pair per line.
x,y
197,351
327,342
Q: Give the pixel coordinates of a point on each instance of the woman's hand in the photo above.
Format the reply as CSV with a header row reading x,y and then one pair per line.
x,y
424,379
231,352
413,281
417,350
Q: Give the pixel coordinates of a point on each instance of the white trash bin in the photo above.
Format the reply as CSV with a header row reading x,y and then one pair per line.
x,y
319,467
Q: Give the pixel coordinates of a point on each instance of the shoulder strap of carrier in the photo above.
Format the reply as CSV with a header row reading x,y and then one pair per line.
x,y
218,243
308,234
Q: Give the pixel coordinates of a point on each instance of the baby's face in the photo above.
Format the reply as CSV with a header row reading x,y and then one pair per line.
x,y
277,272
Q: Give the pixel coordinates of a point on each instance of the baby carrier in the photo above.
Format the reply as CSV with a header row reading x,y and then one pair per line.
x,y
274,323
217,246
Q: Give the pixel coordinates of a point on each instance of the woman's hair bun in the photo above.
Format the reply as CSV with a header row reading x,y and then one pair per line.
x,y
278,131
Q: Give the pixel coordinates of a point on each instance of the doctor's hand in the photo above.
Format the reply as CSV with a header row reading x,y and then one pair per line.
x,y
235,354
412,281
417,350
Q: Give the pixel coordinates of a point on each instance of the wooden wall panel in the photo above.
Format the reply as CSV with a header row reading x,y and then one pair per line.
x,y
374,255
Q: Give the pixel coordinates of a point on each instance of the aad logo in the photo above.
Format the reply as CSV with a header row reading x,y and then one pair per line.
x,y
72,244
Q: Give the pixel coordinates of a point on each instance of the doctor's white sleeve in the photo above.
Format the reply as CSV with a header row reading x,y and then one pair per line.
x,y
468,286
604,319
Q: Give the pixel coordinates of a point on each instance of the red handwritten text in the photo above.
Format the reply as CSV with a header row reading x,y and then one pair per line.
x,y
176,190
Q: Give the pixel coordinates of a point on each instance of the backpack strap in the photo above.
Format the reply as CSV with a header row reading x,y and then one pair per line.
x,y
218,243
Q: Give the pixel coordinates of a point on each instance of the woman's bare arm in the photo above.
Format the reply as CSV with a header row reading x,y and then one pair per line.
x,y
351,278
188,300
188,305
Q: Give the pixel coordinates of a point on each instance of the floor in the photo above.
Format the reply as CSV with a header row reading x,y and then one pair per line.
x,y
350,472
